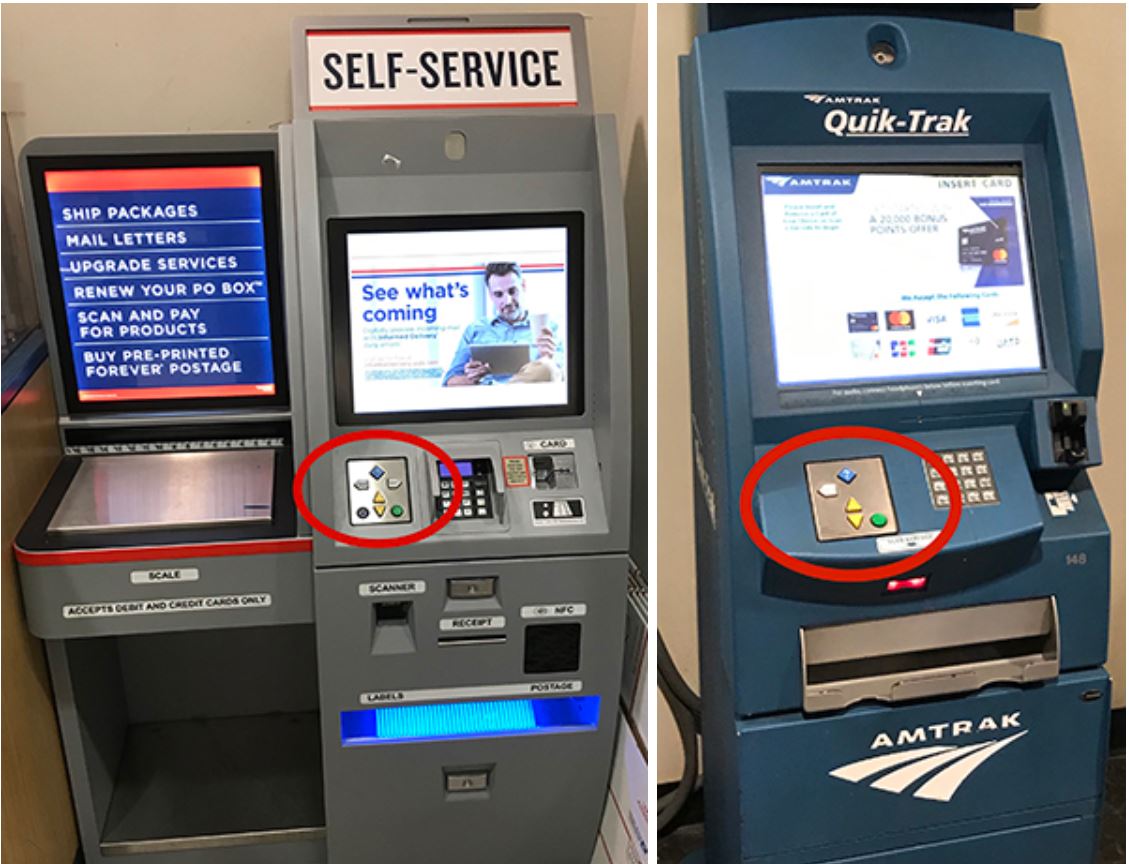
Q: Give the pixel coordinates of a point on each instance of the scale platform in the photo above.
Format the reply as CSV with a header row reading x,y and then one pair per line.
x,y
168,490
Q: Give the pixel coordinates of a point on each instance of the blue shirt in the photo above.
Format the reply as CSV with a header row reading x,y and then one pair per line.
x,y
495,331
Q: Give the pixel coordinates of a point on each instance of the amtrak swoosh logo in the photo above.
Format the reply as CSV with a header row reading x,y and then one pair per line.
x,y
815,97
949,766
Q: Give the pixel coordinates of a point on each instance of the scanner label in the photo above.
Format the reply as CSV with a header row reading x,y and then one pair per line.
x,y
383,589
456,68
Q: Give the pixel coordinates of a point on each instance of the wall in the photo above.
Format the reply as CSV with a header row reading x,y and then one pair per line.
x,y
1094,40
36,820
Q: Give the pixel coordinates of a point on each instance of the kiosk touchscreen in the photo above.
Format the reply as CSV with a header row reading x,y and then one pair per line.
x,y
890,250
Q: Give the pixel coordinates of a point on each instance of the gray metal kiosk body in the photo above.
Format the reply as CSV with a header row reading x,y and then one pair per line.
x,y
489,798
223,678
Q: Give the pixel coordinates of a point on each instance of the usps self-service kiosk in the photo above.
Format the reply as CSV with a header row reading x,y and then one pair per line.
x,y
889,228
413,300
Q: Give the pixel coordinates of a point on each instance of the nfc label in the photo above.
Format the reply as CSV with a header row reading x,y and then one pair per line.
x,y
555,610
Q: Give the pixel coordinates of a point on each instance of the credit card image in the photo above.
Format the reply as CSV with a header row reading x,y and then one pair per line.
x,y
862,322
899,319
984,243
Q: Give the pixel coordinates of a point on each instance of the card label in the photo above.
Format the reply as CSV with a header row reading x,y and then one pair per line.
x,y
550,444
904,542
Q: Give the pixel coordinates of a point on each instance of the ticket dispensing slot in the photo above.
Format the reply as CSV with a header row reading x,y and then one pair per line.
x,y
929,654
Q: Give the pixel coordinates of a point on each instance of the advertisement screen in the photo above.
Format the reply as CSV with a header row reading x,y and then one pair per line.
x,y
458,320
164,282
887,275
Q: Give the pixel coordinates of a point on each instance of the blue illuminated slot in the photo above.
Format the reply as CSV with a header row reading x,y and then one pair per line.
x,y
486,719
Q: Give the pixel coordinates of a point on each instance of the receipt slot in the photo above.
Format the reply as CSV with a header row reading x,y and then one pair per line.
x,y
889,227
474,296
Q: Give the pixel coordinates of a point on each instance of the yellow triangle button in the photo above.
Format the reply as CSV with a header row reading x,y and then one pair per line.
x,y
855,519
379,499
853,506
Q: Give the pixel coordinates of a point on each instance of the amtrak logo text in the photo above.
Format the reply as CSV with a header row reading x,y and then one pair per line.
x,y
825,99
934,772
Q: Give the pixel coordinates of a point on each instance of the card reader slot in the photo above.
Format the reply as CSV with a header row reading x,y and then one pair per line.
x,y
930,654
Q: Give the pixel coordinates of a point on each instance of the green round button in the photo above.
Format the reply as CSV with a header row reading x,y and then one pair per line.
x,y
877,520
398,511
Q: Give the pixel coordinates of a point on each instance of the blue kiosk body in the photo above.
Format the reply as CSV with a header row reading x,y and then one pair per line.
x,y
888,226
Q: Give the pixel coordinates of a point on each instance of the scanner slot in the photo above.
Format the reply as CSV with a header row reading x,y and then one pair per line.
x,y
929,654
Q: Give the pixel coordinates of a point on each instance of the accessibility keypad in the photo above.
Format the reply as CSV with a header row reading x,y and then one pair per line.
x,y
378,491
973,473
476,503
850,498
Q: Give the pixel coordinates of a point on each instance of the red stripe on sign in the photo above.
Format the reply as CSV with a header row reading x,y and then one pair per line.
x,y
176,392
440,107
444,32
153,179
284,546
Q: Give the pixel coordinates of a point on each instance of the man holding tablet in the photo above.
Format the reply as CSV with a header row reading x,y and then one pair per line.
x,y
494,351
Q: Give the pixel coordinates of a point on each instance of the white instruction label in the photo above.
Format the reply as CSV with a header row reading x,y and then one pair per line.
x,y
472,622
549,444
447,694
383,589
555,610
904,542
117,608
176,574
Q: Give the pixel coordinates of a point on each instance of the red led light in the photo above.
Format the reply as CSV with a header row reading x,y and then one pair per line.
x,y
915,583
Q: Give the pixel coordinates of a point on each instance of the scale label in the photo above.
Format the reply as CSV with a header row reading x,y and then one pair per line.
x,y
447,694
383,589
470,67
904,542
172,574
472,622
118,608
555,610
549,444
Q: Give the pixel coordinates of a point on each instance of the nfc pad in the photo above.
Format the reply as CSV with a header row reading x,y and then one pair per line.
x,y
552,648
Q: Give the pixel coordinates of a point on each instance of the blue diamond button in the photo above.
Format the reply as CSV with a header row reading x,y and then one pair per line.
x,y
377,472
847,475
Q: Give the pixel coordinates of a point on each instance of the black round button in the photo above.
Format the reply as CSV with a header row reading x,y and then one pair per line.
x,y
362,512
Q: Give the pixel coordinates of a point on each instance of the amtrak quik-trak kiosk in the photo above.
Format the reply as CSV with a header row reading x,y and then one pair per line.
x,y
433,248
888,226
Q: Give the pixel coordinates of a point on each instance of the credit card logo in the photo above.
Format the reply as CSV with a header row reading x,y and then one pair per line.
x,y
984,243
903,348
942,346
862,322
899,319
866,349
937,319
970,317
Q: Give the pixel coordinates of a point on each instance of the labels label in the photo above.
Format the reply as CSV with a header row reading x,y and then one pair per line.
x,y
472,622
383,589
118,608
558,511
555,610
177,574
442,694
504,67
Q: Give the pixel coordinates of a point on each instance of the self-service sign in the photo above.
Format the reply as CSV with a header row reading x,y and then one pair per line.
x,y
503,67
